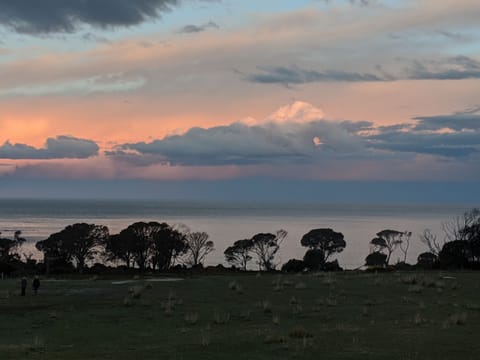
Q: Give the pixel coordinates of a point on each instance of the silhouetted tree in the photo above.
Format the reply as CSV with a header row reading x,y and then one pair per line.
x,y
120,247
152,243
239,254
265,246
55,255
167,245
78,243
405,244
430,240
326,241
9,253
198,247
387,240
9,247
455,254
463,235
140,238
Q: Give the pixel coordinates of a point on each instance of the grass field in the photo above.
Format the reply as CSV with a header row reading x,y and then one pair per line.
x,y
328,316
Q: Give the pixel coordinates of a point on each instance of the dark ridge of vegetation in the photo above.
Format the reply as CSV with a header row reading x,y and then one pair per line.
x,y
159,247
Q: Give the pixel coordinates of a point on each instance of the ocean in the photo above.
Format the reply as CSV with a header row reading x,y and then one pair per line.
x,y
228,222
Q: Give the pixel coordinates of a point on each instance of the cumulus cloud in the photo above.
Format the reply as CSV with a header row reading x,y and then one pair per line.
x,y
60,16
294,133
273,141
189,29
61,147
299,133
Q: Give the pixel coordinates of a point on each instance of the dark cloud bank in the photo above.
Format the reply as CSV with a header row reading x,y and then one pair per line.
x,y
61,147
57,16
455,136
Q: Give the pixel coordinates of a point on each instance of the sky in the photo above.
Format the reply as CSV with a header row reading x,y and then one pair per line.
x,y
121,98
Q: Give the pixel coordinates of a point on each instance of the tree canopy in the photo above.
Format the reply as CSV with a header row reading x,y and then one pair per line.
x,y
388,240
325,240
239,254
148,244
77,243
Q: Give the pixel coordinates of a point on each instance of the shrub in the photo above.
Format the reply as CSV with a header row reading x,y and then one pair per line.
x,y
376,259
136,291
245,315
455,319
314,259
275,339
299,332
300,286
266,306
191,318
221,318
416,289
297,309
333,266
293,266
426,260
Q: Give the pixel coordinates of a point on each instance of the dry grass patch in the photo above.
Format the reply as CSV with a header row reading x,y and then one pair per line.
x,y
455,319
221,318
191,318
299,332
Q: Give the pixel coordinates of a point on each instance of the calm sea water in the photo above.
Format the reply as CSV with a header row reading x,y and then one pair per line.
x,y
226,223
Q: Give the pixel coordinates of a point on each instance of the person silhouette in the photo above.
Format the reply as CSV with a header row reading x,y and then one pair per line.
x,y
36,284
23,285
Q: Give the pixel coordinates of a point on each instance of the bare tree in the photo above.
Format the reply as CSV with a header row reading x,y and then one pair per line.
x,y
198,247
455,228
431,241
405,244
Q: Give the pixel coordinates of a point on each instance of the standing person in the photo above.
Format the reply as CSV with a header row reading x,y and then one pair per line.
x,y
36,285
23,284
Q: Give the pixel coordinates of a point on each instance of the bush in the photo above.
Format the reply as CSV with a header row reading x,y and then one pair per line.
x,y
293,265
376,259
426,260
333,266
314,259
299,332
455,254
402,266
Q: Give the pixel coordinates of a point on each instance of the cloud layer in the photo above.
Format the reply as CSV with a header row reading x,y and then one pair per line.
x,y
313,140
451,68
61,147
57,16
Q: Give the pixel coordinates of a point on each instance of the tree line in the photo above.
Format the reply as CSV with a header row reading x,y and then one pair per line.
x,y
154,246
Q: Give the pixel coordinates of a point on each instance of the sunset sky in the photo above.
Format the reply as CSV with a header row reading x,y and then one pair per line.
x,y
170,98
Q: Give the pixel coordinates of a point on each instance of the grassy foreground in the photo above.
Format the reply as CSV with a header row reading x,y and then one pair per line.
x,y
332,316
